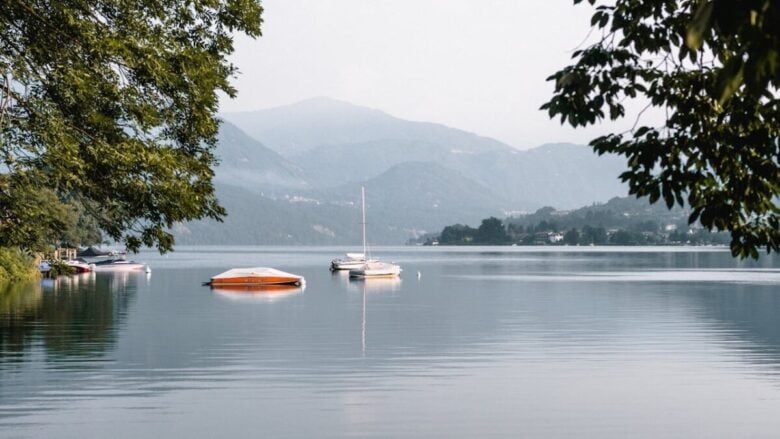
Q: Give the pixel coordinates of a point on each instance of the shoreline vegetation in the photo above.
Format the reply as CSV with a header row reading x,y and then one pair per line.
x,y
546,234
620,221
19,267
16,266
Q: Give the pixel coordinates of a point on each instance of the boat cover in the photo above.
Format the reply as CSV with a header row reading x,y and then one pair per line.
x,y
92,252
258,272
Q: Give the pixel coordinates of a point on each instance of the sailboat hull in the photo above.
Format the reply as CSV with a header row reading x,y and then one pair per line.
x,y
378,269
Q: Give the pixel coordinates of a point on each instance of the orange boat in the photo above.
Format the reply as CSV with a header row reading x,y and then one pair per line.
x,y
255,276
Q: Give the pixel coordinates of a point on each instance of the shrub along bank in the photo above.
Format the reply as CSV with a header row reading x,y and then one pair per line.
x,y
16,266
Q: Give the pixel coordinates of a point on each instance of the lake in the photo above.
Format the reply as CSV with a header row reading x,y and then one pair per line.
x,y
501,342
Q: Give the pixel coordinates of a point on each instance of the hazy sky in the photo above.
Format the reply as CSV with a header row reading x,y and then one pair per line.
x,y
478,65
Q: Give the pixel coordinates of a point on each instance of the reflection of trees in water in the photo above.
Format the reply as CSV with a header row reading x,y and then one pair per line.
x,y
753,311
18,304
70,316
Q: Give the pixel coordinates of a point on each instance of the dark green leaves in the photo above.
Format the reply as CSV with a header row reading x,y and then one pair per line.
x,y
113,103
729,79
718,150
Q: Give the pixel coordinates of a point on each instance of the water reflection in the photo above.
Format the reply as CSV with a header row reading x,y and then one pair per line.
x,y
18,305
371,285
746,276
375,285
258,293
76,316
750,316
361,357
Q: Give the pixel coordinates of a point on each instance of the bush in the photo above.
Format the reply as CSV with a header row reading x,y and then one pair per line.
x,y
16,266
59,268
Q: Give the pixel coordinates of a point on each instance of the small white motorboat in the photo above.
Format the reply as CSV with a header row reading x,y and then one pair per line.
x,y
350,261
255,276
119,265
376,269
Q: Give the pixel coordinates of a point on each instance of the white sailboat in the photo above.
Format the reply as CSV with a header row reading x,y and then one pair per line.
x,y
353,261
371,267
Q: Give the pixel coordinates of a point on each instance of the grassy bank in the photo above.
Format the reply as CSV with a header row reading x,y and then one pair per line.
x,y
16,266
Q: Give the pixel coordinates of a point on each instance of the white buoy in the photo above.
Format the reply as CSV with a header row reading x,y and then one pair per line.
x,y
419,274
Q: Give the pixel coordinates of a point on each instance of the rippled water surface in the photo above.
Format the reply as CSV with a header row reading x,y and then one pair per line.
x,y
484,342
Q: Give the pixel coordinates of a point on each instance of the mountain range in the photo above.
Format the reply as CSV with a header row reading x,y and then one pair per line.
x,y
292,175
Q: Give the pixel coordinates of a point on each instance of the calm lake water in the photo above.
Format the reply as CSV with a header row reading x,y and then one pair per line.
x,y
487,342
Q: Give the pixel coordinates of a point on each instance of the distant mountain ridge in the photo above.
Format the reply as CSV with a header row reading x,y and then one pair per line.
x,y
335,143
420,195
245,162
302,126
295,172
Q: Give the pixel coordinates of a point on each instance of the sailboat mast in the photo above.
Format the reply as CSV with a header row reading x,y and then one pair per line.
x,y
363,202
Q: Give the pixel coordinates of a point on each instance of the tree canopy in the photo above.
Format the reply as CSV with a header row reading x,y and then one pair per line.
x,y
713,68
492,231
108,107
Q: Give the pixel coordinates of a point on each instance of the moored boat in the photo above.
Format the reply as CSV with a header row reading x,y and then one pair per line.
x,y
120,265
255,276
350,261
371,267
80,265
92,252
354,260
376,269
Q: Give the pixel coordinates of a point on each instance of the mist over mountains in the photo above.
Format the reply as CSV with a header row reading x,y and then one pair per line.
x,y
292,175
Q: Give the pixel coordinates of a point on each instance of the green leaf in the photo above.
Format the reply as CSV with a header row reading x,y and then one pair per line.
x,y
668,197
694,215
641,132
694,37
712,67
730,79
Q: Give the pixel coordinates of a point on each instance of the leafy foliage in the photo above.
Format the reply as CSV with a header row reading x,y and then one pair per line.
x,y
492,231
31,217
572,237
112,103
621,221
457,234
60,268
713,66
16,266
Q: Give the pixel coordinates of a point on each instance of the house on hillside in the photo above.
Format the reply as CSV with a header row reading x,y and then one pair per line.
x,y
554,237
